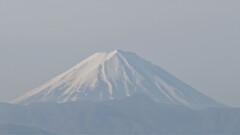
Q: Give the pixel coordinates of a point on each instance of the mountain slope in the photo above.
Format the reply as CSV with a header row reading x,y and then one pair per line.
x,y
117,75
137,114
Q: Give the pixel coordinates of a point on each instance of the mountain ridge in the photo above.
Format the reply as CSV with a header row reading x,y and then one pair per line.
x,y
137,114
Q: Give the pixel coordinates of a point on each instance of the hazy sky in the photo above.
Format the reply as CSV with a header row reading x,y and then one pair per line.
x,y
198,41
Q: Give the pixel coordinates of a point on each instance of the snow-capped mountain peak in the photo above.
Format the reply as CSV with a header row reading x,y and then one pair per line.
x,y
116,75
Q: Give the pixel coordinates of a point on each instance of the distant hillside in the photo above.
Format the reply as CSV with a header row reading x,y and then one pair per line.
x,y
135,115
19,129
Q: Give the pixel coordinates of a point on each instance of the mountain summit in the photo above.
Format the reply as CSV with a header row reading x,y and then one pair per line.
x,y
116,75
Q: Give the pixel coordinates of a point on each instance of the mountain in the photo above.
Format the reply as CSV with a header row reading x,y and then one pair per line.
x,y
117,75
137,114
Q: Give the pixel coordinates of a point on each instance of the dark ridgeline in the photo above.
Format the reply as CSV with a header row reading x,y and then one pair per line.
x,y
135,115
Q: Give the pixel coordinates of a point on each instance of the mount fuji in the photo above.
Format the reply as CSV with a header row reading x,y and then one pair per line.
x,y
117,75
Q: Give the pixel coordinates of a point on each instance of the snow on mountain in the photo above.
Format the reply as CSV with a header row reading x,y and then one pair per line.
x,y
116,75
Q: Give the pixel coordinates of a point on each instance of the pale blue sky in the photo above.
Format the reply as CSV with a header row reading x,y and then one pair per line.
x,y
195,40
